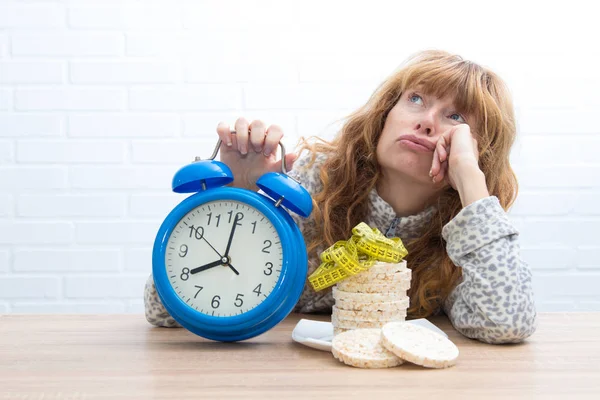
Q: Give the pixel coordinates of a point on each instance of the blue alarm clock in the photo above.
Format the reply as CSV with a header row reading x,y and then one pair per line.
x,y
230,263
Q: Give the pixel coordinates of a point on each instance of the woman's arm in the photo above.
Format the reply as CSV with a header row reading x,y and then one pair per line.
x,y
494,302
156,313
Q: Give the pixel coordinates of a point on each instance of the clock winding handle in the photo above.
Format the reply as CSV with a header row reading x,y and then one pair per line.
x,y
218,146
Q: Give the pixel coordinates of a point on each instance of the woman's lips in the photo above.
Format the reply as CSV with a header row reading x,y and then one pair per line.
x,y
414,146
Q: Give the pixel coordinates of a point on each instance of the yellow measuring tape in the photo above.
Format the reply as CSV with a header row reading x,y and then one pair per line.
x,y
358,254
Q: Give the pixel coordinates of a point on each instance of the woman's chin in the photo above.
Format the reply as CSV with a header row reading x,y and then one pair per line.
x,y
418,171
420,177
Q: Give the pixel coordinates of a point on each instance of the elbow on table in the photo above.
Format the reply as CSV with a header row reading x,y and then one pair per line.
x,y
509,332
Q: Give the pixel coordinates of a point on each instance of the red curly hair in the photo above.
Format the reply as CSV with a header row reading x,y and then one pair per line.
x,y
351,169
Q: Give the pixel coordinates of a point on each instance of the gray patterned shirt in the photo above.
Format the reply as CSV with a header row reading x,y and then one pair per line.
x,y
493,302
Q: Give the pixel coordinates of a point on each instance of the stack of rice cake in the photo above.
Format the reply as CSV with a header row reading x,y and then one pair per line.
x,y
372,298
392,345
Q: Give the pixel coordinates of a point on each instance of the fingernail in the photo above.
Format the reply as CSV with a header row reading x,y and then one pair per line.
x,y
433,179
229,144
430,173
244,150
267,153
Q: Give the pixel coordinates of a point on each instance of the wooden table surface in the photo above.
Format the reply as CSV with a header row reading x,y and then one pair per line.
x,y
122,356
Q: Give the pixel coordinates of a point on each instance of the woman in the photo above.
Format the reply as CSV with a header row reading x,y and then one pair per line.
x,y
426,159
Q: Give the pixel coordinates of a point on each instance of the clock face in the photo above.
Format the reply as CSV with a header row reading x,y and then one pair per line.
x,y
224,258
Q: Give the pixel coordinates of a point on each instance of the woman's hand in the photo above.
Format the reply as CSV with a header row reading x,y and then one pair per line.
x,y
455,156
252,151
456,161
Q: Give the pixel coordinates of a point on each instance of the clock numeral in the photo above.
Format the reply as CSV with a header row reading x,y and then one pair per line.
x,y
264,250
238,298
253,227
257,289
238,217
199,290
183,249
218,218
196,232
269,269
185,274
215,301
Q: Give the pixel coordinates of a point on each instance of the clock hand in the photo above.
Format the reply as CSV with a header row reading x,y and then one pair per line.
x,y
223,261
207,266
224,258
211,246
235,220
233,269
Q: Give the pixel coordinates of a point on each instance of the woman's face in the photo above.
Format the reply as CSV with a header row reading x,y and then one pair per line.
x,y
416,118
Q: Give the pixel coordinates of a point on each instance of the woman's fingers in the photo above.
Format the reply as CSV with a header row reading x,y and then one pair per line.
x,y
251,150
442,152
241,134
257,135
272,139
443,172
225,134
251,136
290,159
263,140
444,165
439,156
435,164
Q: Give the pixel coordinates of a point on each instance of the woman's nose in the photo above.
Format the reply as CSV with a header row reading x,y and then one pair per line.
x,y
427,131
427,124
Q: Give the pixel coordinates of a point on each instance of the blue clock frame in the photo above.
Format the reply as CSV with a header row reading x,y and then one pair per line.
x,y
207,178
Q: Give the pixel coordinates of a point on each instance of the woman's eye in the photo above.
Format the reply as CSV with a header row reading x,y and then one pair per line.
x,y
414,98
458,118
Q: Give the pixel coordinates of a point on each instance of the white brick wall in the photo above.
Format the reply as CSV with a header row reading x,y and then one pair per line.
x,y
27,72
70,99
67,44
32,16
101,101
5,99
3,44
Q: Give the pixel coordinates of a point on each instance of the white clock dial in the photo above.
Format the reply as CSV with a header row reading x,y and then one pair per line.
x,y
224,258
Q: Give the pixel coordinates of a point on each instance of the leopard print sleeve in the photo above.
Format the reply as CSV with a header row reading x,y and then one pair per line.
x,y
494,302
156,313
307,174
